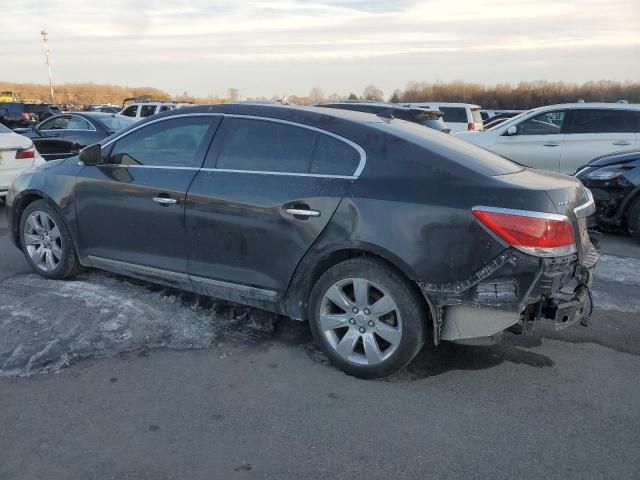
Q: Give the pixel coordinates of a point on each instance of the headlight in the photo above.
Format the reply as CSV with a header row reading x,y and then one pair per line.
x,y
608,173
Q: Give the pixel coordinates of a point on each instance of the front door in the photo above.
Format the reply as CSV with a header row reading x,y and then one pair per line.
x,y
537,142
268,190
131,208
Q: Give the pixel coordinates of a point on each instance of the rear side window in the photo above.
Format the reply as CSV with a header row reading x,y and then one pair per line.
x,y
56,123
602,121
170,143
265,146
334,157
79,123
147,110
454,114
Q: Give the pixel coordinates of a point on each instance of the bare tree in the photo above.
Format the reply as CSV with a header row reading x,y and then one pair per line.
x,y
372,93
233,95
316,95
352,96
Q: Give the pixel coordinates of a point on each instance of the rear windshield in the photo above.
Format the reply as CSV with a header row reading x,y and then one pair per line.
x,y
454,149
476,115
117,122
454,114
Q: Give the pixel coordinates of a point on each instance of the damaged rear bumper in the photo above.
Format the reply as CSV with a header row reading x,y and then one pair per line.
x,y
513,289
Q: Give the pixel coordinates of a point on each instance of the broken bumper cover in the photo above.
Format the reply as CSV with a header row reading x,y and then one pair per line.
x,y
513,287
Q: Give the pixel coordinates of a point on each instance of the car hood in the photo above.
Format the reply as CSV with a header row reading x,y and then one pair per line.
x,y
615,158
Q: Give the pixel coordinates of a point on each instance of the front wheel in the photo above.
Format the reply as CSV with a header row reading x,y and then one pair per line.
x,y
367,318
46,242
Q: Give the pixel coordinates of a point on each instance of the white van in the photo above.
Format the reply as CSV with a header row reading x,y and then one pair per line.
x,y
461,117
562,138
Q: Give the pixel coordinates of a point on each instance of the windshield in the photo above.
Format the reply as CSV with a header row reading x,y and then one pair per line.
x,y
117,122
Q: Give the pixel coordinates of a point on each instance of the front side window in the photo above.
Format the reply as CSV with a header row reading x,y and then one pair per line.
x,y
548,123
79,123
130,111
55,123
170,143
602,121
265,146
147,110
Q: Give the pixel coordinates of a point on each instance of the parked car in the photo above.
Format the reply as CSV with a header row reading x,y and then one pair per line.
x,y
381,233
614,180
423,116
105,109
65,135
15,115
561,138
460,117
493,115
42,111
17,154
146,109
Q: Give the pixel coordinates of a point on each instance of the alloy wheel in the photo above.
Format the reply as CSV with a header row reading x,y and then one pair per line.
x,y
361,321
43,241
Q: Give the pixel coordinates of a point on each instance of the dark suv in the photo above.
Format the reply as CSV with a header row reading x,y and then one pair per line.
x,y
16,115
381,233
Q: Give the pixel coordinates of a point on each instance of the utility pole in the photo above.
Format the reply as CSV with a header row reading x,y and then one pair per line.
x,y
45,38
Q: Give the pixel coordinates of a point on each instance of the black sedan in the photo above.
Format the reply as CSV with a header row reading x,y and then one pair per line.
x,y
63,136
614,180
382,234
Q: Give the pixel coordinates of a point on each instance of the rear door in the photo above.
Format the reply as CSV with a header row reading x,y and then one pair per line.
x,y
48,137
130,210
537,143
595,132
268,189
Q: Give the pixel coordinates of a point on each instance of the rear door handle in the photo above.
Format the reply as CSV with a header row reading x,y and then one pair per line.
x,y
551,144
165,200
298,212
622,142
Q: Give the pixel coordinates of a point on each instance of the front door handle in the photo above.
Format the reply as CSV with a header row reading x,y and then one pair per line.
x,y
298,212
551,144
622,142
165,200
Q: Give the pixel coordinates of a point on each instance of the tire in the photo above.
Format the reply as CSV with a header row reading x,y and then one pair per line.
x,y
348,324
633,220
46,242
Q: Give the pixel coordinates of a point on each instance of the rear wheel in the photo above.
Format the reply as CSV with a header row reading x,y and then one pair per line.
x,y
367,318
633,220
46,241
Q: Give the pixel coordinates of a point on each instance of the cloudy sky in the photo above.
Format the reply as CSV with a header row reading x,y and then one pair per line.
x,y
289,46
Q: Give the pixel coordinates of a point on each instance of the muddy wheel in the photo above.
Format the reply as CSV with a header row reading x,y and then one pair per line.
x,y
367,318
46,242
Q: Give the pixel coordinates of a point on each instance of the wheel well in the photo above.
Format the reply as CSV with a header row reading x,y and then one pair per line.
x,y
23,202
325,263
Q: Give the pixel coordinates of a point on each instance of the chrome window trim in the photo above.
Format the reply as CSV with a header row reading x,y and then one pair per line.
x,y
358,148
92,129
523,213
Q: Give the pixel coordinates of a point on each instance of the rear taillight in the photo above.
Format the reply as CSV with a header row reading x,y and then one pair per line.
x,y
471,126
28,152
536,233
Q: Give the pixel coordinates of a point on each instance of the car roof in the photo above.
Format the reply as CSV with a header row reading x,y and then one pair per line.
x,y
582,105
445,104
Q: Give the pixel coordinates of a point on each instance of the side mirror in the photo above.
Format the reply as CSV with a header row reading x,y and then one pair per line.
x,y
91,155
511,131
